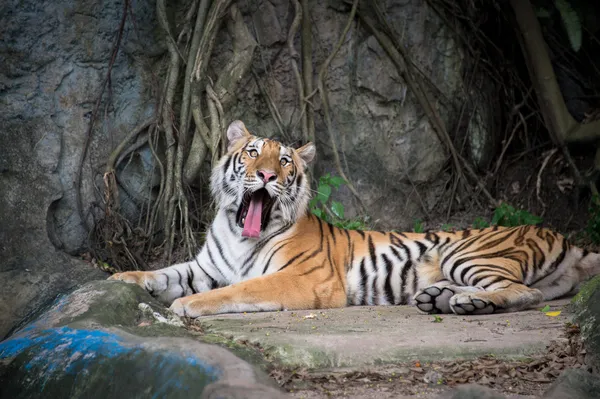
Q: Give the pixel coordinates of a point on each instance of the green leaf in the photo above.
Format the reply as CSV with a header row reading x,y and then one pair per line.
x,y
542,12
418,226
337,181
480,223
571,23
318,212
324,191
546,308
338,209
446,227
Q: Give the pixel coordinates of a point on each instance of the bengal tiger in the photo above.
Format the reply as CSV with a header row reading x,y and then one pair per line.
x,y
265,251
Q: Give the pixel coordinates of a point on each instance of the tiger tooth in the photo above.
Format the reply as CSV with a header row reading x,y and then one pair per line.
x,y
243,220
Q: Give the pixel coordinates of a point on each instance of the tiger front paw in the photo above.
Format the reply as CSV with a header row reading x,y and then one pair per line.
x,y
131,278
434,299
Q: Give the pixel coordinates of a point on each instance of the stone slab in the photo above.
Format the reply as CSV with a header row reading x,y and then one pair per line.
x,y
361,336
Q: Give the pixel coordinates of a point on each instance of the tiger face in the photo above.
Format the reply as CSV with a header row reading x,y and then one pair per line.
x,y
262,179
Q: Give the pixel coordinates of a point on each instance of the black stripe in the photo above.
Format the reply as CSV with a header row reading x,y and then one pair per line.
x,y
314,269
422,248
227,163
372,254
213,283
332,231
415,284
219,248
397,254
181,283
407,266
363,282
268,263
191,279
362,233
389,292
433,238
289,262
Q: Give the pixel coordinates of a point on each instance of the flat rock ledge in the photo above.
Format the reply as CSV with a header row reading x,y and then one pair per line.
x,y
357,337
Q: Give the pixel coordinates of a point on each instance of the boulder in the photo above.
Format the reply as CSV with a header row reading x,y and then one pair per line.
x,y
586,305
574,383
110,339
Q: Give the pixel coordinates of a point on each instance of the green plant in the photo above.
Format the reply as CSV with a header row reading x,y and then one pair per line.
x,y
447,227
437,319
593,226
480,223
507,215
418,226
332,211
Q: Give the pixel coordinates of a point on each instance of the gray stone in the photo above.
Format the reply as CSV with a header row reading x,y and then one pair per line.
x,y
55,57
574,383
587,314
32,270
101,342
266,21
471,391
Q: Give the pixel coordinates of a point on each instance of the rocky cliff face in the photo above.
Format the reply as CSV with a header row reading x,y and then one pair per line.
x,y
55,59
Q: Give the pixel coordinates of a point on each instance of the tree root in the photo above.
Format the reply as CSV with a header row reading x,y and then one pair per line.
x,y
294,62
307,71
90,130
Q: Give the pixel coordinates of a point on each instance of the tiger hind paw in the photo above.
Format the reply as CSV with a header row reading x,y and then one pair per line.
x,y
470,303
437,298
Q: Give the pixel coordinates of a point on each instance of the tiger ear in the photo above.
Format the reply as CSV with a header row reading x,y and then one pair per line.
x,y
235,132
307,152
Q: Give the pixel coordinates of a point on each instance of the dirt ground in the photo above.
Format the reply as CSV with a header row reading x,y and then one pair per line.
x,y
526,378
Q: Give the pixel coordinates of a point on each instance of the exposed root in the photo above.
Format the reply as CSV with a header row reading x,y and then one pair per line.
x,y
538,186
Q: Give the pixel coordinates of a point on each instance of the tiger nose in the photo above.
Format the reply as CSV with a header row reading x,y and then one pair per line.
x,y
266,176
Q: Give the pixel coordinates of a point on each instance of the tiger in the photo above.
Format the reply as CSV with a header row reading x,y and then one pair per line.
x,y
265,251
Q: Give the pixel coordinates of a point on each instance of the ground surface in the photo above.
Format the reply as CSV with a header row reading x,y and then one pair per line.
x,y
386,352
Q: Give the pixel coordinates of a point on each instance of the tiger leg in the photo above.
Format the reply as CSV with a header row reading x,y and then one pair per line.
x,y
504,295
436,297
171,282
277,291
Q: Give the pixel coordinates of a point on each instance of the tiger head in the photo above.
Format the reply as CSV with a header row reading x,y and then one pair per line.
x,y
262,179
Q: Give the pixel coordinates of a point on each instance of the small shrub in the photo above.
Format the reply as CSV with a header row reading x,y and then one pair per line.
x,y
418,226
447,227
480,223
506,215
332,211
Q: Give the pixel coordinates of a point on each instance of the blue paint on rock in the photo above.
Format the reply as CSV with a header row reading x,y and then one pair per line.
x,y
57,352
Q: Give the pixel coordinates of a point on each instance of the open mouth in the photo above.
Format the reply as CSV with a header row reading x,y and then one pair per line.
x,y
254,212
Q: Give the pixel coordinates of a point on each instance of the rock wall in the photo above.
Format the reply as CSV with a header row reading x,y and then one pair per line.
x,y
54,60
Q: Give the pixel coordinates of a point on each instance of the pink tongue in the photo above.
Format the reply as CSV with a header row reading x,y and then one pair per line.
x,y
253,218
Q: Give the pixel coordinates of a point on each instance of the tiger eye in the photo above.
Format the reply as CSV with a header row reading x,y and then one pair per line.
x,y
253,153
284,162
